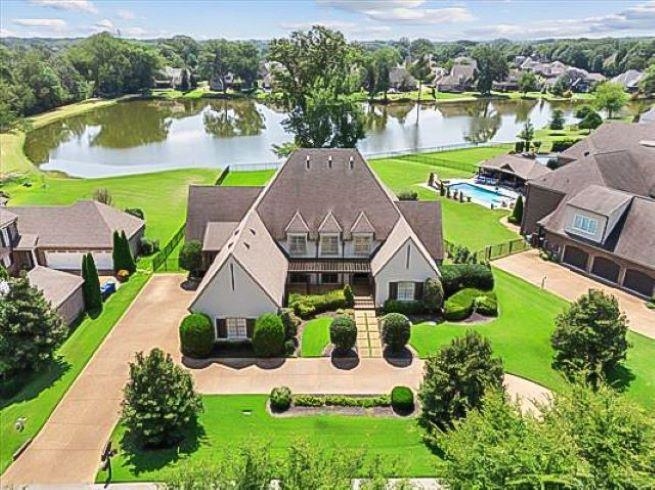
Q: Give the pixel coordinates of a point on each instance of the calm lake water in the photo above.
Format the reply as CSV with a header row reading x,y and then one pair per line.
x,y
140,136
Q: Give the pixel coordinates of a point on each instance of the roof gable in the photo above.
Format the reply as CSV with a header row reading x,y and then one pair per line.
x,y
297,224
330,224
362,224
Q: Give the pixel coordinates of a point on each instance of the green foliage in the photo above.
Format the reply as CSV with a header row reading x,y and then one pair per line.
x,y
402,399
190,258
341,401
591,121
590,337
412,307
528,82
455,381
343,333
148,247
306,306
610,97
557,120
461,305
433,294
290,322
121,253
30,330
561,86
517,213
519,146
159,400
647,83
396,330
349,296
4,275
91,286
408,196
280,399
562,145
527,133
268,337
462,255
137,212
458,276
492,66
582,111
196,335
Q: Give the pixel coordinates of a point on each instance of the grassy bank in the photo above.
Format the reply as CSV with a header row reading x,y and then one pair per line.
x,y
42,393
231,420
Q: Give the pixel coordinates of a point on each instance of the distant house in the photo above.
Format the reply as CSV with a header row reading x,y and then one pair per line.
x,y
220,84
512,170
401,80
170,77
511,82
461,77
648,117
61,289
578,80
596,214
629,79
266,74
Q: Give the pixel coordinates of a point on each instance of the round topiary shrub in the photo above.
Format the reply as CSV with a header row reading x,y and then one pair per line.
x,y
196,335
402,399
343,333
396,329
433,294
280,399
290,322
268,337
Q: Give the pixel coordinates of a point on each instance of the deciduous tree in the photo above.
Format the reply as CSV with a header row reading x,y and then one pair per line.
x,y
610,97
492,66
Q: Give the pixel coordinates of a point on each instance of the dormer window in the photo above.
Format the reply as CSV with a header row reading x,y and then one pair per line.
x,y
297,244
362,244
329,244
585,224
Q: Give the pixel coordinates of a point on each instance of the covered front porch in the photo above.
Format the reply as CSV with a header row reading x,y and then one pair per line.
x,y
316,276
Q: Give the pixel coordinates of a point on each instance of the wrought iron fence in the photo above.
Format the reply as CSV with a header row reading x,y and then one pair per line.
x,y
490,252
163,256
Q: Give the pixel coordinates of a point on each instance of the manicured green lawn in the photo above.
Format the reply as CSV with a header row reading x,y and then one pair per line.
x,y
254,178
161,195
40,396
223,426
315,337
521,337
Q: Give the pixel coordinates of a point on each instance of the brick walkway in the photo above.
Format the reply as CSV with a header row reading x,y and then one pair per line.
x,y
368,334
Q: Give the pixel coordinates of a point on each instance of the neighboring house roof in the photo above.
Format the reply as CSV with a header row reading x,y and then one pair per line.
x,y
85,224
217,235
399,76
27,241
56,286
6,216
424,217
629,79
321,188
207,203
600,200
523,167
648,117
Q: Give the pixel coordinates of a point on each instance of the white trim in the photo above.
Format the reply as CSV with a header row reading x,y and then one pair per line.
x,y
582,230
362,215
327,216
301,219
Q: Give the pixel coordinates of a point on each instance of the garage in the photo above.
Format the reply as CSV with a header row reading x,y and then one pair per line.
x,y
575,257
73,260
606,269
639,282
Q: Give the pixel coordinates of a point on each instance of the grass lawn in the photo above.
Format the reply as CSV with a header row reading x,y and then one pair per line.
x,y
547,135
245,178
223,426
521,336
315,337
42,393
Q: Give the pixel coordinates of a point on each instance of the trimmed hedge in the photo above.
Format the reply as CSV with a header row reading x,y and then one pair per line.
x,y
461,305
459,276
268,337
396,330
343,333
432,294
341,401
306,306
413,307
402,399
280,399
562,145
196,335
290,322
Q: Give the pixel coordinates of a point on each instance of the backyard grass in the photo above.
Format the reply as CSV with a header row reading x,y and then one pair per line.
x,y
223,426
547,136
521,337
42,393
315,337
246,178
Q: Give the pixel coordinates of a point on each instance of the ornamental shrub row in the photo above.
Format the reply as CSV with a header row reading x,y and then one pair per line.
x,y
413,307
459,276
461,304
341,401
306,306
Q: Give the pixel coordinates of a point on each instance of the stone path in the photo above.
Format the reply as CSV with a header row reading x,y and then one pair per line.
x,y
368,334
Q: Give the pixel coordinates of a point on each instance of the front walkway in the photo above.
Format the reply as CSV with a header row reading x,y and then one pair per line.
x,y
368,334
571,285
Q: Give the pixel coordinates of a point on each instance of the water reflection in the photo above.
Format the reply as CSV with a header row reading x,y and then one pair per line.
x,y
225,119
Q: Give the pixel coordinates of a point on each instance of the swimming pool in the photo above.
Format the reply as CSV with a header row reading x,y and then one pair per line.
x,y
481,194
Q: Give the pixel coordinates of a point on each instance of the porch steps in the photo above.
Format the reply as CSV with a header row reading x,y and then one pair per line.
x,y
364,303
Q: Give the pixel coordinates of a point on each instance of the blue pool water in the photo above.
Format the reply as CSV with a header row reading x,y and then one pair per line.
x,y
480,194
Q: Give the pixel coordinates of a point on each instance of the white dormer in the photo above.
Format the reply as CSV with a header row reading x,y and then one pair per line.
x,y
297,231
330,236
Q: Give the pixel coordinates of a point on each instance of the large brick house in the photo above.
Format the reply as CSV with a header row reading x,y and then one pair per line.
x,y
324,220
596,213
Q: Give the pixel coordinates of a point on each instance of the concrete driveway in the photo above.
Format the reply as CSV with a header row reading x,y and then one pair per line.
x,y
571,285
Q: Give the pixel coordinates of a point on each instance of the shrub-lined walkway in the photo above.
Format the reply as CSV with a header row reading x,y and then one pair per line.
x,y
368,334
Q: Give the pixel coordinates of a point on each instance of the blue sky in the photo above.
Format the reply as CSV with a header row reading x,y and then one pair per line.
x,y
357,19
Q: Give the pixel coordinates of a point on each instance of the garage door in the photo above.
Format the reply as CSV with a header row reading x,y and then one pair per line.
x,y
639,282
73,260
606,269
575,257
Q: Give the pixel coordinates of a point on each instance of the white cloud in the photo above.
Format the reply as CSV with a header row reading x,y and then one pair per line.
x,y
125,14
104,25
7,33
78,5
51,24
407,11
350,29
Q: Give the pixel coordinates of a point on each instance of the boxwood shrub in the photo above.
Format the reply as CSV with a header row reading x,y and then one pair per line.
x,y
459,276
413,307
461,304
343,333
268,337
341,401
306,306
396,330
402,399
196,335
280,399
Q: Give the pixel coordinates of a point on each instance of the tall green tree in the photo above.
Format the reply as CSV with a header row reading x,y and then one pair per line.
x,y
492,66
91,287
528,82
126,251
527,134
420,70
647,83
610,97
30,330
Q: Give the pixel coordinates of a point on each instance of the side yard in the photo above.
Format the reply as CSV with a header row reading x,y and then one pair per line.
x,y
40,396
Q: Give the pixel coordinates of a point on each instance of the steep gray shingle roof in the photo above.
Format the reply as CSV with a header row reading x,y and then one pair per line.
x,y
85,224
56,286
523,167
424,217
6,216
217,234
600,200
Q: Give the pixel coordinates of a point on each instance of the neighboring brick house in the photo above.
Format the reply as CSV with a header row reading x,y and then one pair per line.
x,y
323,221
597,212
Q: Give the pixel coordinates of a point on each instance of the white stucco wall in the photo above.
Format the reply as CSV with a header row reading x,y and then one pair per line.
x,y
396,270
246,300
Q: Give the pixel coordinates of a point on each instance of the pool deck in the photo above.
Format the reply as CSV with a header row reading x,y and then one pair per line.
x,y
508,194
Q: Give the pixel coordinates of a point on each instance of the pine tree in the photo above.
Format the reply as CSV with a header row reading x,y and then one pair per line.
x,y
92,296
128,260
30,330
517,214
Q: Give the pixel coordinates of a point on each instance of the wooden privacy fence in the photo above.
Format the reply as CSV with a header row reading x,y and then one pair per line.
x,y
490,252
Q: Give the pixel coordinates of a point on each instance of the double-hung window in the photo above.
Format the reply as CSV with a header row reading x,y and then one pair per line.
x,y
585,224
406,291
329,245
362,244
298,244
236,328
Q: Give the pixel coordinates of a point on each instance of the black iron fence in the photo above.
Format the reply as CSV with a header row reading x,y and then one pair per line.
x,y
162,260
488,253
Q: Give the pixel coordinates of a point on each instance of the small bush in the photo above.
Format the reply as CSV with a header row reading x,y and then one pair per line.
x,y
306,306
148,246
408,196
289,347
138,212
349,296
518,146
190,258
290,322
562,145
280,399
459,276
196,335
396,329
402,399
268,338
412,307
487,305
343,333
122,275
461,304
432,294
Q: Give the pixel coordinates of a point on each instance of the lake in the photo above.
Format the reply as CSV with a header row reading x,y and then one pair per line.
x,y
149,135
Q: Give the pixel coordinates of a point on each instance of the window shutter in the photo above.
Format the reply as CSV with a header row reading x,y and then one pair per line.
x,y
393,290
250,327
418,291
221,328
